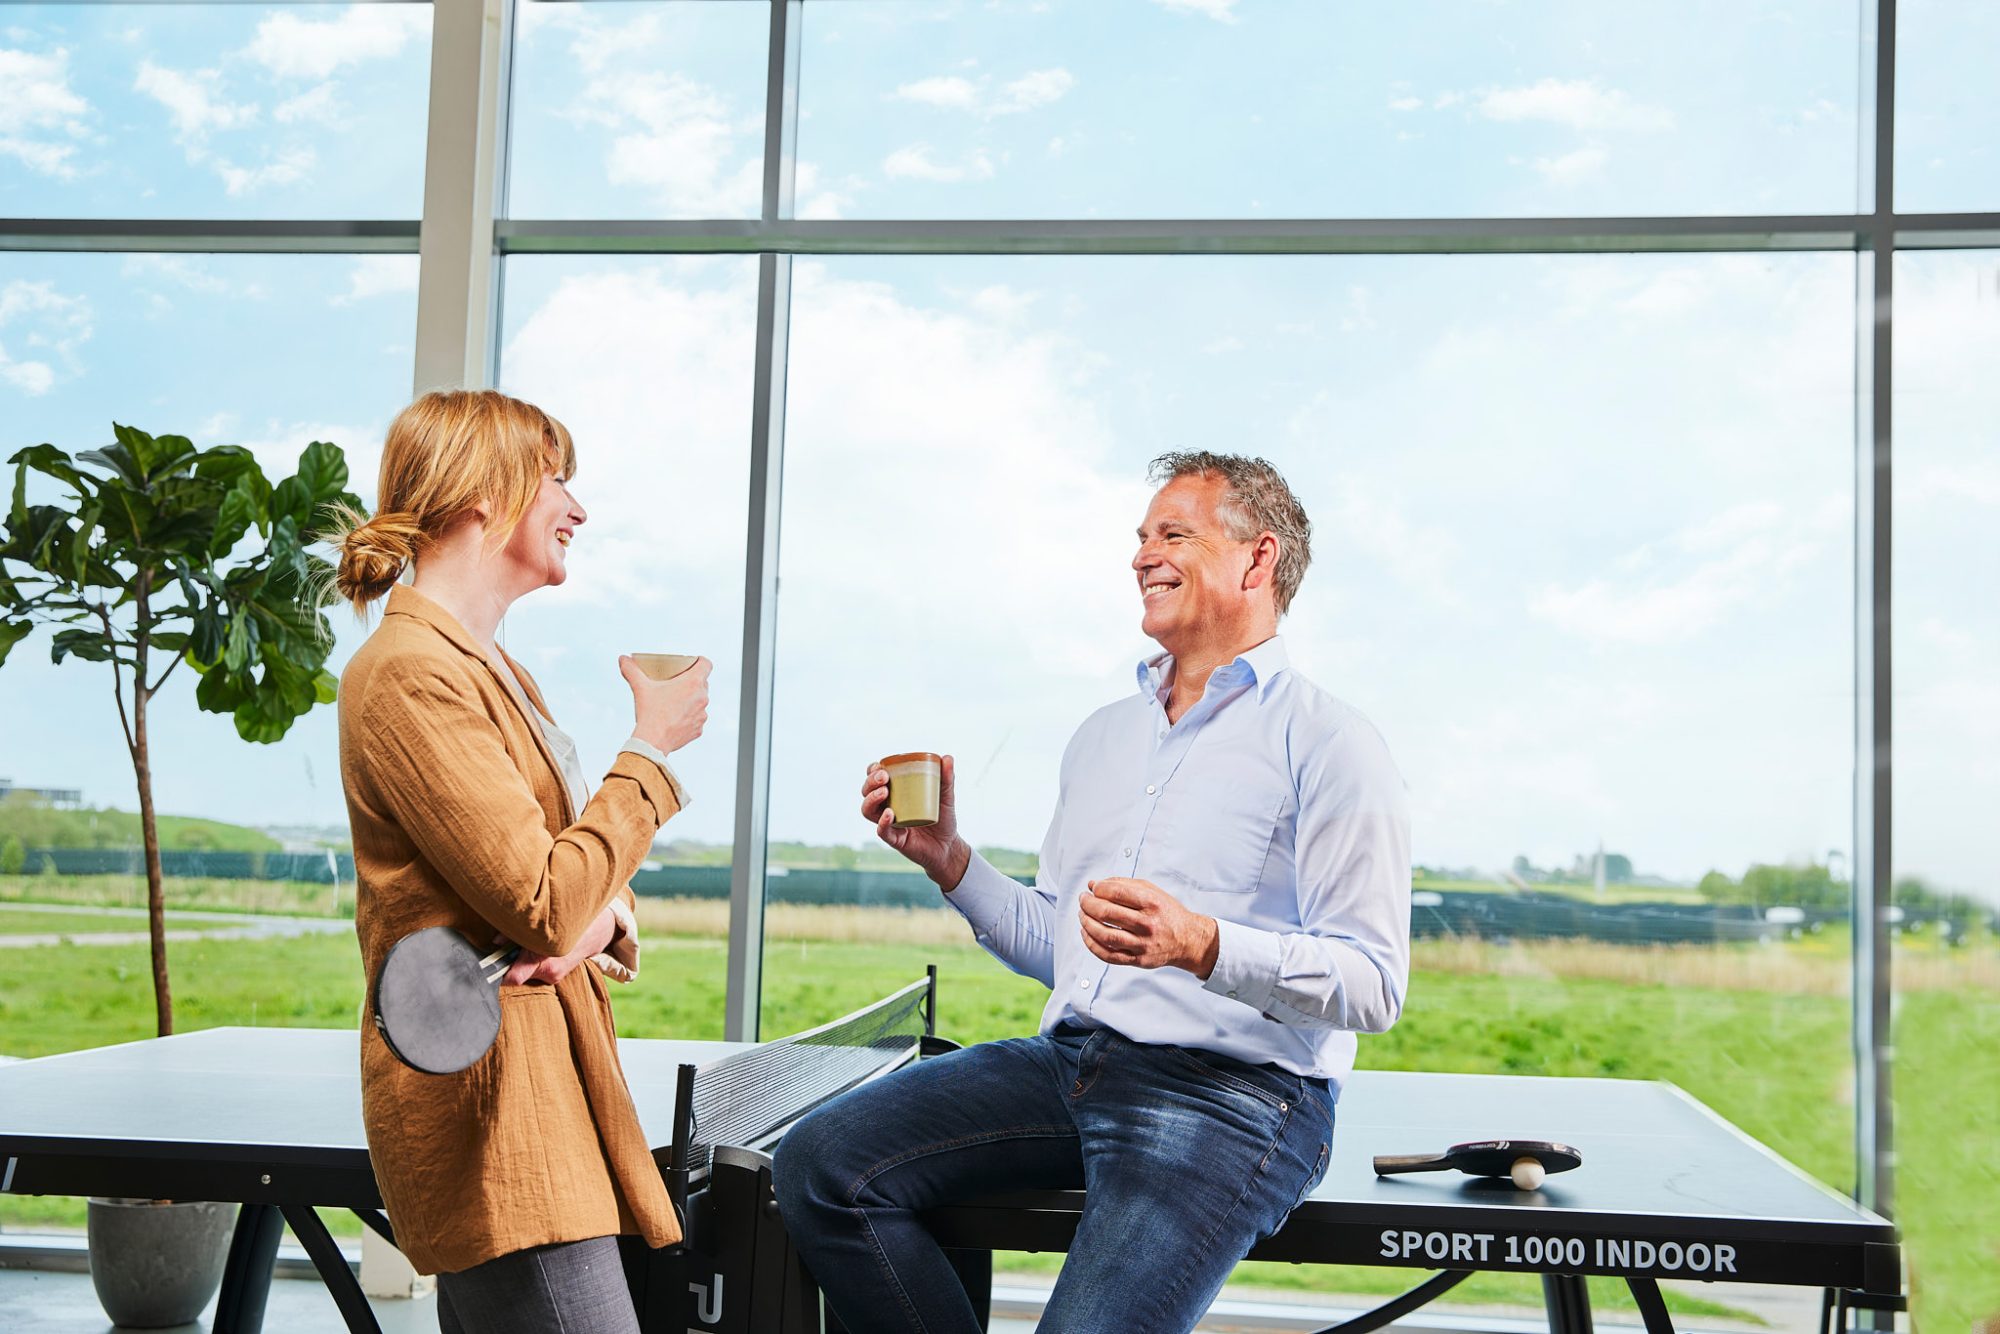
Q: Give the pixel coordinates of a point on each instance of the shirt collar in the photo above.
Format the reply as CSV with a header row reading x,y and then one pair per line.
x,y
1260,665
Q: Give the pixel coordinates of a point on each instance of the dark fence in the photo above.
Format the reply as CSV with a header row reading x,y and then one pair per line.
x,y
1522,915
317,868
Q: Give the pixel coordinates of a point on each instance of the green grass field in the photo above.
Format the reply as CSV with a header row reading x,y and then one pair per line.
x,y
1776,1063
54,921
294,898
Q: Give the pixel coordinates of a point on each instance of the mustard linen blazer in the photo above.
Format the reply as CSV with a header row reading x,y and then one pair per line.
x,y
461,818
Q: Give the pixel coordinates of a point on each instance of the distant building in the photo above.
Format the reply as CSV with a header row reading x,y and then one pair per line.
x,y
65,797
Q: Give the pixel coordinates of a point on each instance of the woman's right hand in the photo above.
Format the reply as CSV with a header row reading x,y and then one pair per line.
x,y
936,849
668,714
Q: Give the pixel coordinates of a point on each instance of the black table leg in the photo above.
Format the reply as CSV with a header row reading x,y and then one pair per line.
x,y
1568,1301
246,1277
332,1266
1652,1306
1397,1307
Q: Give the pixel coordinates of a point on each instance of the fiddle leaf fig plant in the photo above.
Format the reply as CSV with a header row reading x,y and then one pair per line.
x,y
149,561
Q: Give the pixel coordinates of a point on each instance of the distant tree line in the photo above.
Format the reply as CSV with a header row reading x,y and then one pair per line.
x,y
1814,886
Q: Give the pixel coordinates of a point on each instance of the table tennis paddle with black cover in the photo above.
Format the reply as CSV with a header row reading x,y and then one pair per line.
x,y
437,1001
1526,1161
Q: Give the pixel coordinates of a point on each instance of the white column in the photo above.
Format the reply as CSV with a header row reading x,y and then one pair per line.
x,y
464,186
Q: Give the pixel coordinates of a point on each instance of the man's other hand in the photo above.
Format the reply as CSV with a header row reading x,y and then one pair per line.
x,y
1136,922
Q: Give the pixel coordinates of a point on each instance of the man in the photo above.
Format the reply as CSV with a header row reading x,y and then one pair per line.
x,y
1223,902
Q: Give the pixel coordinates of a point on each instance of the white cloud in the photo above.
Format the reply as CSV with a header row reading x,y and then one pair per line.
x,y
1037,88
40,114
289,46
316,103
51,325
194,273
1581,104
1031,91
915,163
288,166
194,100
1681,588
677,138
1002,303
200,108
1572,167
1222,11
378,275
1406,104
690,147
944,90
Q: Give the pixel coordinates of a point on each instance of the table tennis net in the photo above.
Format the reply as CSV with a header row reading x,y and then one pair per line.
x,y
748,1098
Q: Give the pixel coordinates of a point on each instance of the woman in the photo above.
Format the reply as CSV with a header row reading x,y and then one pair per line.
x,y
512,1178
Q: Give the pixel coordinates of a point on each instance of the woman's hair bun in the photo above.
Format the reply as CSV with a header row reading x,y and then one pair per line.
x,y
373,554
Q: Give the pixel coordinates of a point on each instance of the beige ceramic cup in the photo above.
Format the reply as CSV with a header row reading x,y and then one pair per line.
x,y
664,666
915,780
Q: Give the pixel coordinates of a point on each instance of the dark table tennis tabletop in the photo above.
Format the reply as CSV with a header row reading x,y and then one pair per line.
x,y
253,1107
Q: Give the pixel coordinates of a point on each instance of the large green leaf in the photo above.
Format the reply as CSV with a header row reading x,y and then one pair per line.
x,y
205,641
171,454
326,687
291,498
221,690
92,645
226,464
127,458
128,514
240,508
51,462
13,632
295,628
323,471
288,558
243,637
265,718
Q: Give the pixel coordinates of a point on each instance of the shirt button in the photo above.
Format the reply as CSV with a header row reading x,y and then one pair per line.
x,y
1150,789
1128,852
1083,984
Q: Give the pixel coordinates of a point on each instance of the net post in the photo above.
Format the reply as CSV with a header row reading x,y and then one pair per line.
x,y
682,1152
930,1000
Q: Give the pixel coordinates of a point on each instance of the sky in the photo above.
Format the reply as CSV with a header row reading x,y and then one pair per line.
x,y
1583,538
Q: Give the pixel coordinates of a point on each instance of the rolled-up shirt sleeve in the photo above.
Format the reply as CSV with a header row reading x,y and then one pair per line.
x,y
1348,967
646,749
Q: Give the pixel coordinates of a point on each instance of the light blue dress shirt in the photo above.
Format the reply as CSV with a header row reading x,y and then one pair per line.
x,y
1270,806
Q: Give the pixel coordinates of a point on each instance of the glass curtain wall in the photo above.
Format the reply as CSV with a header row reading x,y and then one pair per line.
x,y
1586,520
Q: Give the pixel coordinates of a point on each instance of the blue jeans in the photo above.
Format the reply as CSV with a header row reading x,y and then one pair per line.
x,y
1187,1160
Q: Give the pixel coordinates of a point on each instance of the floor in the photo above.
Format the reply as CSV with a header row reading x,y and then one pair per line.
x,y
49,1302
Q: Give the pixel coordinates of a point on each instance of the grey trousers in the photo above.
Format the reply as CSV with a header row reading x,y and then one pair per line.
x,y
572,1287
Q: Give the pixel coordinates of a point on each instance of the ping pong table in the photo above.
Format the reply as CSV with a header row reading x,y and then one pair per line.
x,y
271,1118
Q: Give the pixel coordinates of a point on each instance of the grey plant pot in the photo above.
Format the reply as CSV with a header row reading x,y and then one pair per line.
x,y
156,1265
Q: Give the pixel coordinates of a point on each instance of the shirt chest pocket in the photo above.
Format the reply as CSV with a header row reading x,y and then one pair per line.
x,y
1216,841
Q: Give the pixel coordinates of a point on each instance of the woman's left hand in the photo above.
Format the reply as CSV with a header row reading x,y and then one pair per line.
x,y
529,966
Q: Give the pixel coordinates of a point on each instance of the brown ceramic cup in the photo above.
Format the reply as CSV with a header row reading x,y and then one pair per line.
x,y
915,782
665,666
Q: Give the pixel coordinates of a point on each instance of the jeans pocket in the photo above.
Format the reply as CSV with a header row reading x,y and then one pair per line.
x,y
1313,1178
1215,1071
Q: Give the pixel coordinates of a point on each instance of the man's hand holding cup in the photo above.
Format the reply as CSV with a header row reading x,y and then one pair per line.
x,y
934,846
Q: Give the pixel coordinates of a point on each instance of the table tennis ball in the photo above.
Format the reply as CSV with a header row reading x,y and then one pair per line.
x,y
1528,1173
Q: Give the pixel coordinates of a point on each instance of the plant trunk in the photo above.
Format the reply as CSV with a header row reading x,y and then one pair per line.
x,y
156,895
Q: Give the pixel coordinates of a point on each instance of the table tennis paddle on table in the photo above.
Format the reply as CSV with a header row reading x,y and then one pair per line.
x,y
437,1001
1525,1161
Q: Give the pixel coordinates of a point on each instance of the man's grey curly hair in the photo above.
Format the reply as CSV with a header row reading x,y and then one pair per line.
x,y
1258,501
